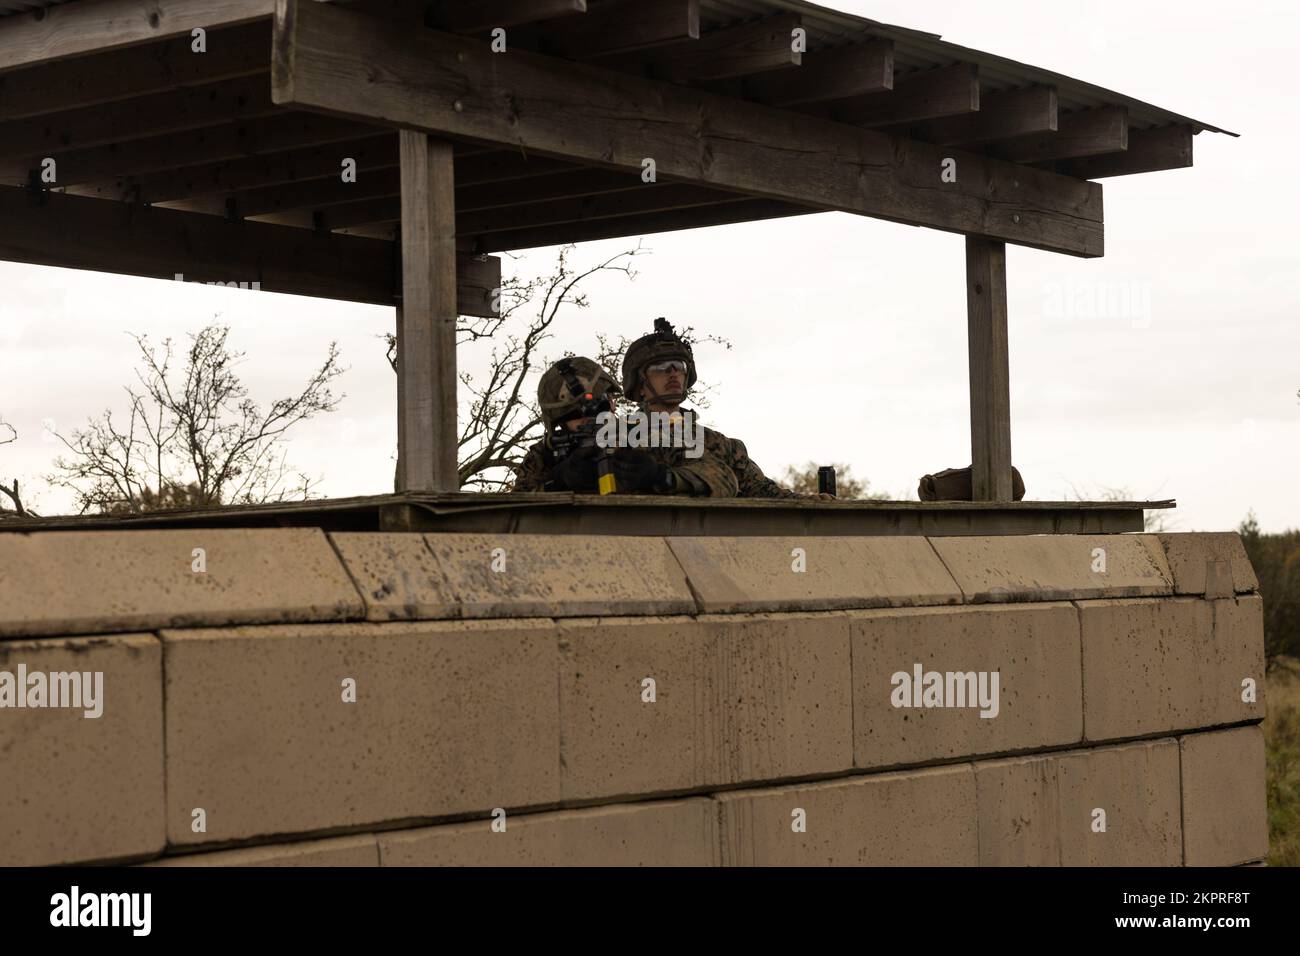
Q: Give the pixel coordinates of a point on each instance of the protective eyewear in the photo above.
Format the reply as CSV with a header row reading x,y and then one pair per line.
x,y
666,367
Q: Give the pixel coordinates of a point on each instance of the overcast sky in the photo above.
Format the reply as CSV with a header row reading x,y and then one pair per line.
x,y
848,333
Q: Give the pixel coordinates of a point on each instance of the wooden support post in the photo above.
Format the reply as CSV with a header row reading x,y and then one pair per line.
x,y
426,319
990,382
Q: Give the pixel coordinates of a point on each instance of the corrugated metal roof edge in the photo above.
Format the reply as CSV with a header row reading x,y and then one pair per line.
x,y
936,44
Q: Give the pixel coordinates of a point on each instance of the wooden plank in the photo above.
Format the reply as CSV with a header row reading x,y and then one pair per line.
x,y
97,26
283,131
1001,116
621,27
426,370
990,381
946,91
138,71
74,232
160,113
733,51
1081,133
1149,150
454,86
660,197
747,210
480,16
824,75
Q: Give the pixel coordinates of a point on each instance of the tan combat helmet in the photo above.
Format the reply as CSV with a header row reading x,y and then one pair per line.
x,y
659,346
555,396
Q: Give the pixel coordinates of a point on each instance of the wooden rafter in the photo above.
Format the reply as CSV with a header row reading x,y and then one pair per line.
x,y
1001,116
742,50
456,87
932,94
1169,147
833,74
1081,133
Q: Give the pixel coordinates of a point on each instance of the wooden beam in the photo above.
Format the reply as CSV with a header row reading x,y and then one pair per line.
x,y
426,320
479,16
283,131
990,381
824,75
946,91
160,113
732,51
1149,150
73,232
660,197
138,71
1081,133
453,86
56,33
621,27
1001,116
748,210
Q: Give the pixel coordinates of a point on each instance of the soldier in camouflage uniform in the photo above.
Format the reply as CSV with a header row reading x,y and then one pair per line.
x,y
658,371
635,471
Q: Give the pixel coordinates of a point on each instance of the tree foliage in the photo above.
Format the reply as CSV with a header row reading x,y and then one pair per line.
x,y
847,487
192,438
1276,559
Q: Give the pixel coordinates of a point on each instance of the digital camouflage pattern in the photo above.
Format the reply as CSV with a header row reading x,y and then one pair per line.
x,y
554,399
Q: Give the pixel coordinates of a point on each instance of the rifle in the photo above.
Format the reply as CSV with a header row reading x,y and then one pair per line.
x,y
565,442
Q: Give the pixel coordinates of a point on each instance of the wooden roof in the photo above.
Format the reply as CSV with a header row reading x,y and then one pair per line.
x,y
169,162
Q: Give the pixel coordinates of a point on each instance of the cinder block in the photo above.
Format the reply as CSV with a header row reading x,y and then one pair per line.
x,y
667,833
1161,665
737,698
77,789
1055,567
561,575
1225,810
913,818
87,582
339,851
1191,555
397,575
1032,648
1108,806
758,574
450,717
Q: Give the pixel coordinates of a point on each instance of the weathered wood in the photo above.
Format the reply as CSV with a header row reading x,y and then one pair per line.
x,y
748,210
732,51
1001,116
946,91
170,112
1081,133
622,27
832,74
229,141
453,86
990,382
74,232
138,71
97,26
660,197
477,16
426,397
1149,150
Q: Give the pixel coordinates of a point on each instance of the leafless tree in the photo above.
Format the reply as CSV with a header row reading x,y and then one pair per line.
x,y
847,485
192,437
9,434
501,419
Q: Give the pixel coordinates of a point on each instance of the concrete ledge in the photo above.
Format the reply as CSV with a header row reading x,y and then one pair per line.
x,y
1044,811
338,851
758,574
913,818
90,582
1193,558
737,699
1034,649
449,718
397,575
1225,809
77,789
1055,567
1161,665
669,833
566,576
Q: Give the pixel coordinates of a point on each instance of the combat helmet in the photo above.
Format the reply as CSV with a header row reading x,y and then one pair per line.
x,y
659,346
555,397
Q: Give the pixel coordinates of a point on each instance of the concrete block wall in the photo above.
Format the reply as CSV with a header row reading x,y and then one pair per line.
x,y
291,697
